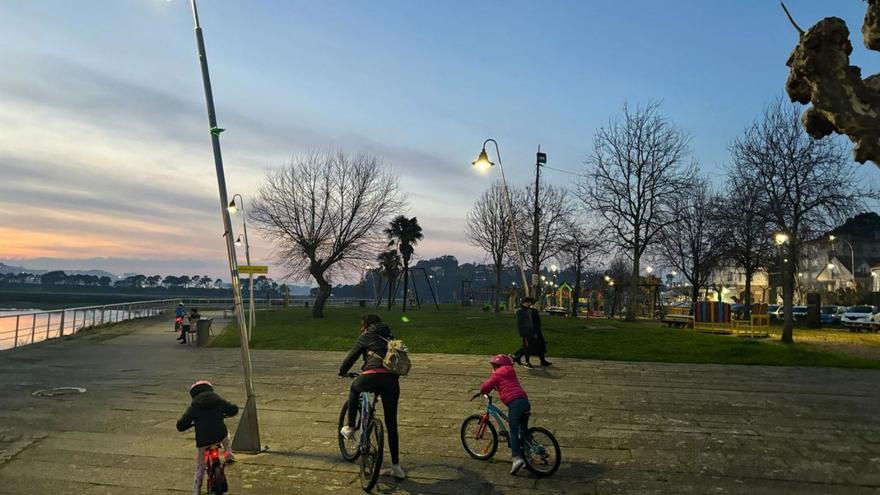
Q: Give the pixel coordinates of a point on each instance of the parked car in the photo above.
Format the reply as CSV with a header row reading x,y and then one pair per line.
x,y
799,313
831,314
775,311
859,314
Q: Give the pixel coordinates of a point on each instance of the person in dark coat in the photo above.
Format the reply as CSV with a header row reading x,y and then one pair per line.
x,y
371,346
528,324
207,412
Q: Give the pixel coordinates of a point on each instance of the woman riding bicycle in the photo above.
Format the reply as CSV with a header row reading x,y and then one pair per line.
x,y
372,345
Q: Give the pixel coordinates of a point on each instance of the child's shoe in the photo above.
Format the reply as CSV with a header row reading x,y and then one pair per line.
x,y
396,471
518,463
347,432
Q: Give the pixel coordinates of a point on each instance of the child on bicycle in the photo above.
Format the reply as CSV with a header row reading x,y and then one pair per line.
x,y
504,379
206,413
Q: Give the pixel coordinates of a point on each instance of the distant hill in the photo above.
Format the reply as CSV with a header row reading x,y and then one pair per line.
x,y
4,268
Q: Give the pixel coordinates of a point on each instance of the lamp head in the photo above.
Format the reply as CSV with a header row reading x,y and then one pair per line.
x,y
232,206
482,163
238,241
781,238
830,265
832,237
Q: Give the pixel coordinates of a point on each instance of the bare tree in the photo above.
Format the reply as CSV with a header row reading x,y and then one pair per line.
x,y
806,185
489,228
633,173
579,245
690,243
325,212
554,215
747,240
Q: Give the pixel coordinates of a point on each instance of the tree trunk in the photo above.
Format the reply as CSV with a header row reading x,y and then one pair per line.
x,y
497,285
633,290
392,281
576,292
695,296
323,294
787,297
405,283
748,298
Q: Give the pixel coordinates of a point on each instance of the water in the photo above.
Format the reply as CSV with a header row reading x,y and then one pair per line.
x,y
20,327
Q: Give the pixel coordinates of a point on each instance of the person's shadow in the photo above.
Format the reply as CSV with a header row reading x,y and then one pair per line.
x,y
577,474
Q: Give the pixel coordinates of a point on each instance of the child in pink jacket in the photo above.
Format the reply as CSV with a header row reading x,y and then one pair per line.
x,y
514,397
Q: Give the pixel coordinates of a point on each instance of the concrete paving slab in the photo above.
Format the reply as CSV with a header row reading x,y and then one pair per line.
x,y
623,427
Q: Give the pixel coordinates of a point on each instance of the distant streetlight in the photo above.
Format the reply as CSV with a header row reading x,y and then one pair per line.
x,y
781,238
649,270
483,163
233,208
852,254
608,279
554,268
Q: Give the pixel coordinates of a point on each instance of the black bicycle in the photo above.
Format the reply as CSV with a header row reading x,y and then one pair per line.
x,y
367,442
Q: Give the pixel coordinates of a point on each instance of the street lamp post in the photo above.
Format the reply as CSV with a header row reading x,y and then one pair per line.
x,y
233,207
483,162
852,254
247,436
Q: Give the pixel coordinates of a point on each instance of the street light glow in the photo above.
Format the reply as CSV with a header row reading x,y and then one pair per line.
x,y
232,206
832,237
238,241
482,163
830,265
781,238
553,268
649,269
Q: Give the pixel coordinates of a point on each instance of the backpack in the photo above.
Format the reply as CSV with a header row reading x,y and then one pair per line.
x,y
396,359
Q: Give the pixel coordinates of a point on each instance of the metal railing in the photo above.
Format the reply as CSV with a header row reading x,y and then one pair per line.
x,y
26,327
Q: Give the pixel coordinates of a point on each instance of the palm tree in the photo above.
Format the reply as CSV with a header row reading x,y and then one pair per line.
x,y
389,263
406,233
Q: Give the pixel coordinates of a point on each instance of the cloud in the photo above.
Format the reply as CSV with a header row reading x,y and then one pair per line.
x,y
92,163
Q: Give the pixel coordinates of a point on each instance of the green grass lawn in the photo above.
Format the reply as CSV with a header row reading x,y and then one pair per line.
x,y
476,332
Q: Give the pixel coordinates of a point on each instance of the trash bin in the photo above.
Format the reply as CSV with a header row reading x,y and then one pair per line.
x,y
203,331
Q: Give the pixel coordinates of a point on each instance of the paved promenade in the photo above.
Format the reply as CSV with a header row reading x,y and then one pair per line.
x,y
624,427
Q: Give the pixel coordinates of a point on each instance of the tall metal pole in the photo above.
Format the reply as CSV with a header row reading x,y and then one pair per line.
x,y
536,212
519,256
247,436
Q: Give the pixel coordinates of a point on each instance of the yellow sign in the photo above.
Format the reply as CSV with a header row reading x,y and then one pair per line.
x,y
253,268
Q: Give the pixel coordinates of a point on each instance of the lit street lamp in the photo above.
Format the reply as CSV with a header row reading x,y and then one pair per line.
x,y
233,208
247,435
852,254
483,163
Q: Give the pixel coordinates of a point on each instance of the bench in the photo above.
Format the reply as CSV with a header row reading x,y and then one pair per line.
x,y
678,316
756,326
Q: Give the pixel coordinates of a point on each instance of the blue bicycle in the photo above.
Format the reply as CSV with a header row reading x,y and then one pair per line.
x,y
367,442
479,437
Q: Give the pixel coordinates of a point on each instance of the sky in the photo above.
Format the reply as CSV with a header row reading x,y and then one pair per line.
x,y
105,159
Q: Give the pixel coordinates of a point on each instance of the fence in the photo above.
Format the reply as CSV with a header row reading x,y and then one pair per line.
x,y
25,328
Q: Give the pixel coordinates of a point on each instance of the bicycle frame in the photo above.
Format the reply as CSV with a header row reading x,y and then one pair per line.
x,y
367,408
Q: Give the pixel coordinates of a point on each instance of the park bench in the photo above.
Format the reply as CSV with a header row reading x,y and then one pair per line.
x,y
557,311
678,316
756,326
713,317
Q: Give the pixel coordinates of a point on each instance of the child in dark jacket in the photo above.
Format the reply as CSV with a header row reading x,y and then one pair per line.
x,y
206,413
504,380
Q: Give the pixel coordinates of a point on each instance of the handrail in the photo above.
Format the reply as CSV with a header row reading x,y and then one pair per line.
x,y
29,327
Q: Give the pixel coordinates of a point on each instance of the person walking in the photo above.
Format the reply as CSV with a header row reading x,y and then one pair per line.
x,y
528,324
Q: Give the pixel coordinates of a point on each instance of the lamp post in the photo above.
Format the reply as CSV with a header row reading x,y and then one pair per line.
x,y
247,435
483,162
233,208
852,254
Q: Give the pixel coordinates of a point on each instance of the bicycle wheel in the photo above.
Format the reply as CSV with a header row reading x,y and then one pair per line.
x,y
348,448
371,457
219,481
541,452
479,437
